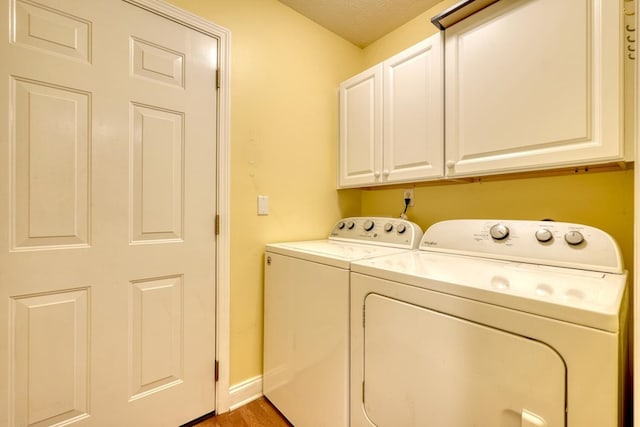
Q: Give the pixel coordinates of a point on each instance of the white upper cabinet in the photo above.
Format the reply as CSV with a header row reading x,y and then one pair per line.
x,y
413,118
391,119
360,154
534,84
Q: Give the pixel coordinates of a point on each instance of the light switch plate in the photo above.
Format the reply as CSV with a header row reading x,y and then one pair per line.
x,y
263,205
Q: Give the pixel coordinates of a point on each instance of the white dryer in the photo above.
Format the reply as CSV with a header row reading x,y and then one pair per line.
x,y
306,316
491,323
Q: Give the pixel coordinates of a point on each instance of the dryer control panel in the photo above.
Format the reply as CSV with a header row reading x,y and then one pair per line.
x,y
551,243
394,232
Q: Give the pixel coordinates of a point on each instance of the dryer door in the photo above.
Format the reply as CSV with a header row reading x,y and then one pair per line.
x,y
425,368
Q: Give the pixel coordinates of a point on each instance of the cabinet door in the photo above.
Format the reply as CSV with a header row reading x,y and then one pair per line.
x,y
413,113
361,129
534,84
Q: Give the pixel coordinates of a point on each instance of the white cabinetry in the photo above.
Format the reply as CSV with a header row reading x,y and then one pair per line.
x,y
534,84
360,156
391,119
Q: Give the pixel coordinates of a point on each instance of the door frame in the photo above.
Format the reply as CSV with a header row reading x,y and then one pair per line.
x,y
223,35
635,280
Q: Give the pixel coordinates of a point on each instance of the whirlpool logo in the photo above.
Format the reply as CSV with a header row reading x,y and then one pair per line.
x,y
429,243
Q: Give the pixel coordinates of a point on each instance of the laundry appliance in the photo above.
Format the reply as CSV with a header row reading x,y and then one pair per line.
x,y
306,316
491,323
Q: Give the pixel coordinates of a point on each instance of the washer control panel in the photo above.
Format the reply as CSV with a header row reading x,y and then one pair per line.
x,y
539,242
384,231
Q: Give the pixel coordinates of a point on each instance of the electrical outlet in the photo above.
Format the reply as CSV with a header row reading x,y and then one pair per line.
x,y
408,194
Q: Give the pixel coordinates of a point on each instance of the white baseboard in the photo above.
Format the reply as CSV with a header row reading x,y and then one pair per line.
x,y
242,393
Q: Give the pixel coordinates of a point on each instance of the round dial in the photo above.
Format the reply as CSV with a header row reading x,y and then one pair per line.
x,y
499,231
574,237
368,225
350,225
341,225
401,228
388,227
544,235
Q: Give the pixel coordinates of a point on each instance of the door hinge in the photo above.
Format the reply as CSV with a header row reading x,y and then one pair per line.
x,y
218,78
217,224
216,369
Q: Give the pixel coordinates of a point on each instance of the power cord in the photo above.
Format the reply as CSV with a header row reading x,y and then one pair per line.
x,y
403,215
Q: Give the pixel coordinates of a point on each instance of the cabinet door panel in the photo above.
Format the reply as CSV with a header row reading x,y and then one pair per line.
x,y
361,129
534,84
413,113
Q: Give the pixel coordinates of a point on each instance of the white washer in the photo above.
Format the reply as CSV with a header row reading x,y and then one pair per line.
x,y
306,316
491,323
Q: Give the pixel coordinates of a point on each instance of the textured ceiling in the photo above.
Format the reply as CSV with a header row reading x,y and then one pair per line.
x,y
360,21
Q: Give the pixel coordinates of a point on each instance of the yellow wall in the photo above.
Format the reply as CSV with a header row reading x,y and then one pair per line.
x,y
602,199
285,71
407,35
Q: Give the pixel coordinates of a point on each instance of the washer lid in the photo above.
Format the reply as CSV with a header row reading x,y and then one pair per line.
x,y
582,297
336,253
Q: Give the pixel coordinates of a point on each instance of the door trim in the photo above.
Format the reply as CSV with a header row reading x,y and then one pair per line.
x,y
223,35
634,345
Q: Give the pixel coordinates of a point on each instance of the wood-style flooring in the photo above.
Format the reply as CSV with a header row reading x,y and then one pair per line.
x,y
258,413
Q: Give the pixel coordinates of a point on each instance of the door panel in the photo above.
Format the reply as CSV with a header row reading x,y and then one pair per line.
x,y
50,182
107,245
156,334
50,357
51,30
157,172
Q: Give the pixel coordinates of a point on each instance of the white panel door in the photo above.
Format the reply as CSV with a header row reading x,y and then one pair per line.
x,y
534,84
360,154
414,113
426,368
107,243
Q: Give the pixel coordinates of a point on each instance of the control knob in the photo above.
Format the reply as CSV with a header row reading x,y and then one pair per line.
x,y
401,228
368,225
388,227
350,225
544,235
574,237
499,231
341,225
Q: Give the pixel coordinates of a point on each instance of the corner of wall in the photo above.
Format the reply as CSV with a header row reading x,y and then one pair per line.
x,y
405,36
